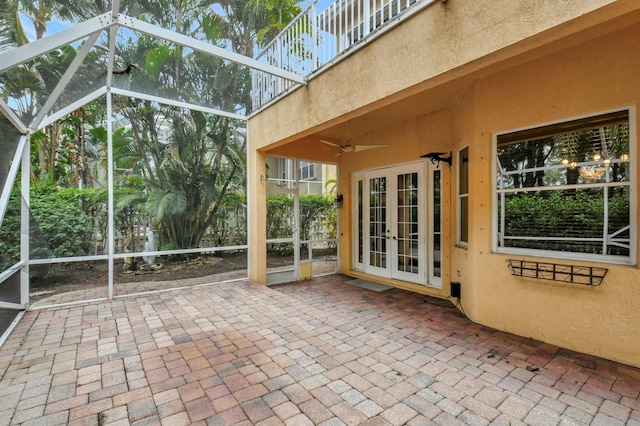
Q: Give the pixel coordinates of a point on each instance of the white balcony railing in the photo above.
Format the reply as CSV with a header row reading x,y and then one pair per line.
x,y
315,38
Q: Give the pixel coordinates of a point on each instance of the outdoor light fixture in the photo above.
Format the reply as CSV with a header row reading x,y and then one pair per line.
x,y
337,202
437,157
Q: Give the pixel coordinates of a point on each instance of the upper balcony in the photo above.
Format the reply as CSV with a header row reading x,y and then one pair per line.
x,y
320,36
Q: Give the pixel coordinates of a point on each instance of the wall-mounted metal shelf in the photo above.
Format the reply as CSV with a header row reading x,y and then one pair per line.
x,y
583,275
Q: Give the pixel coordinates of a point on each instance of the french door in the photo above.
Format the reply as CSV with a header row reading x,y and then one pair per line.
x,y
397,223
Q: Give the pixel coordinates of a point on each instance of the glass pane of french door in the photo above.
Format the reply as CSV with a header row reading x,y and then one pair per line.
x,y
378,222
406,237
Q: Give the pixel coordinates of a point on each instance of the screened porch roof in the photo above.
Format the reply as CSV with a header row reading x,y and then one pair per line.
x,y
87,57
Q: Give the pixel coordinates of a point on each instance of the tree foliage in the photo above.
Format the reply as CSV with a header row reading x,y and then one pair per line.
x,y
178,171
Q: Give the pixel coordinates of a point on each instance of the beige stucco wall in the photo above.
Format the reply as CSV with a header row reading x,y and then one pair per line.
x,y
598,76
418,98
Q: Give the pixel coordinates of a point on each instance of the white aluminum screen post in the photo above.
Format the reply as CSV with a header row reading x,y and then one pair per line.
x,y
248,176
110,227
24,222
110,165
296,223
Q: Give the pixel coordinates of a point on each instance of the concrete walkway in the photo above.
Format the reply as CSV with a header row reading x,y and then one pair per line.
x,y
315,352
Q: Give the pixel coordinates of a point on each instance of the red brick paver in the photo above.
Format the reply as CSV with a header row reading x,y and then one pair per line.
x,y
314,352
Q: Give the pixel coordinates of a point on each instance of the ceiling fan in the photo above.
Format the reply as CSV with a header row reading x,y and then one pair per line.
x,y
347,147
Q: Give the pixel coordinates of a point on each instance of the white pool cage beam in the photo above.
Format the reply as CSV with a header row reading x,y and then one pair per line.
x,y
178,104
66,78
110,198
181,39
72,107
40,47
25,225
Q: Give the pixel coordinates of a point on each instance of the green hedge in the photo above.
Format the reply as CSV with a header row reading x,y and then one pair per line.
x,y
60,224
567,215
63,222
280,217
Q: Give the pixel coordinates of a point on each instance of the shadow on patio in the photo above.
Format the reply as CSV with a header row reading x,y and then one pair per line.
x,y
314,352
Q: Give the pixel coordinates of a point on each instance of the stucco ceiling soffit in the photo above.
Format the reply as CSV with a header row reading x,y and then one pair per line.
x,y
307,148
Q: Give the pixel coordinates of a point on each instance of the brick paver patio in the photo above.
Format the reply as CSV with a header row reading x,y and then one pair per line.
x,y
315,352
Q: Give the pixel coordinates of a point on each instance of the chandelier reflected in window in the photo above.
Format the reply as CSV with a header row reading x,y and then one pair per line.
x,y
596,168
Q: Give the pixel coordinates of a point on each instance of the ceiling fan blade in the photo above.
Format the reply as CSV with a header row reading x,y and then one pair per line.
x,y
365,147
326,142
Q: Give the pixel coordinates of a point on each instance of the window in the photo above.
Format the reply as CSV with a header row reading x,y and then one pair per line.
x,y
563,190
307,170
463,196
282,170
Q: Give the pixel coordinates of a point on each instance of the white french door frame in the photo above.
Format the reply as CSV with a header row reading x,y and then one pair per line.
x,y
395,233
378,223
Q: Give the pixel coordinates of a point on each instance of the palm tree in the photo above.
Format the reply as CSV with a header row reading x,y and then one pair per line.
x,y
11,31
28,85
279,14
191,163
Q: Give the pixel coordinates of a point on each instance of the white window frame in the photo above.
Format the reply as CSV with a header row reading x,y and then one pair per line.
x,y
461,196
310,166
633,199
